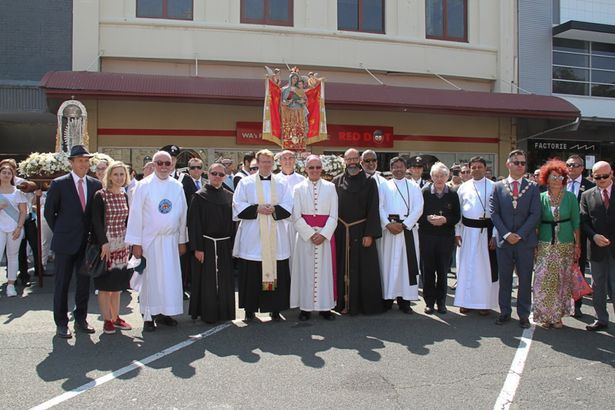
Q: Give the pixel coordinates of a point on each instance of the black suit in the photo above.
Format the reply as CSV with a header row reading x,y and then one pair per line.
x,y
185,259
70,225
585,185
596,219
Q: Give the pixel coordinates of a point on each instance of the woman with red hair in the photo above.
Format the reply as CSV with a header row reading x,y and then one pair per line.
x,y
558,247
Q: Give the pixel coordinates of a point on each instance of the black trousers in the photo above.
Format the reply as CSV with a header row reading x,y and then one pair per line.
x,y
67,266
30,237
435,257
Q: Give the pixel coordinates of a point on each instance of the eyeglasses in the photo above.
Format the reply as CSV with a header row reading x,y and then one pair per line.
x,y
196,167
573,165
556,177
226,164
163,163
465,172
369,161
217,174
518,163
314,167
253,168
352,159
603,176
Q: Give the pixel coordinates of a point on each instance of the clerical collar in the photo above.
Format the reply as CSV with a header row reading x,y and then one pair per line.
x,y
285,174
262,178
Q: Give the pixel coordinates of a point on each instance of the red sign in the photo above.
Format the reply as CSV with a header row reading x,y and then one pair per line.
x,y
250,133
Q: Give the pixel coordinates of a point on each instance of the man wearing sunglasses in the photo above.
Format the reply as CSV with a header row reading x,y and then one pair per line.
x,y
598,222
577,184
515,212
369,163
157,230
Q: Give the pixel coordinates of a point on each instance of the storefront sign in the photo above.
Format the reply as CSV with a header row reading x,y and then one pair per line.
x,y
250,133
551,145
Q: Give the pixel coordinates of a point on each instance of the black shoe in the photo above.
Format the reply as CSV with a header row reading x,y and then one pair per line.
x,y
597,326
577,314
327,315
149,326
442,308
275,316
63,332
84,327
249,316
25,280
186,296
524,323
303,316
406,309
388,304
429,310
502,319
165,320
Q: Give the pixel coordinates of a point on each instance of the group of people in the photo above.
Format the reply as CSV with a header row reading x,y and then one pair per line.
x,y
356,244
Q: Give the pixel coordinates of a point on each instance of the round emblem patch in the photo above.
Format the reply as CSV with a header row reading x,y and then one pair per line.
x,y
165,206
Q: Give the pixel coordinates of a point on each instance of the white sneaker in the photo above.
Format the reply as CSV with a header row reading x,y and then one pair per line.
x,y
10,291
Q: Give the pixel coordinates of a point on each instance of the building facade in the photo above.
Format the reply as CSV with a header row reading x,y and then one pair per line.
x,y
439,77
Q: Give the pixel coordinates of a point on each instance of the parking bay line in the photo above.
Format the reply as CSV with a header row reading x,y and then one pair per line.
x,y
127,369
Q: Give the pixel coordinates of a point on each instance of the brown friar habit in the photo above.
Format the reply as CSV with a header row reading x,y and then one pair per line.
x,y
210,227
358,200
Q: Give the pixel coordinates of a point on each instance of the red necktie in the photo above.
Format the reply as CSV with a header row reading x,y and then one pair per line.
x,y
515,188
605,198
81,193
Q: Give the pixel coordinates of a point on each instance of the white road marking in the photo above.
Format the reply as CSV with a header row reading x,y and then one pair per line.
x,y
507,394
127,369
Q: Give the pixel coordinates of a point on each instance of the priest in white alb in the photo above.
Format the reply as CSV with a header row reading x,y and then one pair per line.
x,y
401,205
261,202
477,277
312,285
292,178
157,231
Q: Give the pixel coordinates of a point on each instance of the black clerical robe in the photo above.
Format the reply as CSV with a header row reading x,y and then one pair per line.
x,y
358,200
210,227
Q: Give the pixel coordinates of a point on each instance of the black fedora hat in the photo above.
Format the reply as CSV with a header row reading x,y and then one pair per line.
x,y
79,151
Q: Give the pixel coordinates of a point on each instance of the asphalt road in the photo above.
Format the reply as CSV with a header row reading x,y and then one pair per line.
x,y
392,360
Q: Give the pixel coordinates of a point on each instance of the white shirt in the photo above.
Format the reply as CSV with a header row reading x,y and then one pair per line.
x,y
76,179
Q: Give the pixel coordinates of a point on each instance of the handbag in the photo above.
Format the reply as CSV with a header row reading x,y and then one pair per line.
x,y
580,287
93,265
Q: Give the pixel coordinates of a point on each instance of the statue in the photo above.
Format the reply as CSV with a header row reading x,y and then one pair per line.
x,y
72,126
294,115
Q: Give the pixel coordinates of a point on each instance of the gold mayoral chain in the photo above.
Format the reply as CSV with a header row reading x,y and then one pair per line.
x,y
515,199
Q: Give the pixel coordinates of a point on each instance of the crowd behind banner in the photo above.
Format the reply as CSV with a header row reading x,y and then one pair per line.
x,y
361,242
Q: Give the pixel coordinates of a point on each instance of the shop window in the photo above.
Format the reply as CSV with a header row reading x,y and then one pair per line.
x,y
360,15
446,19
269,12
165,9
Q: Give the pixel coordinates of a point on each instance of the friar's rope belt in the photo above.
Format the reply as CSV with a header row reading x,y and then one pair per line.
x,y
215,240
347,260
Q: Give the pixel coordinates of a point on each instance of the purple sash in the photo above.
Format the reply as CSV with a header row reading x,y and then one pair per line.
x,y
319,221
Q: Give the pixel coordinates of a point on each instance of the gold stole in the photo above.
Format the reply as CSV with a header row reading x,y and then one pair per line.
x,y
268,237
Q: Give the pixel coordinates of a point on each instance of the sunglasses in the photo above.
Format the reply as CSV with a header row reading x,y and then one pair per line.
x,y
455,173
369,161
573,165
217,174
465,172
253,168
556,177
603,176
518,163
314,167
196,167
163,163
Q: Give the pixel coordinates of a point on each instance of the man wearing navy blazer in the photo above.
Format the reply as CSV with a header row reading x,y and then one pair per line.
x,y
515,212
68,213
598,223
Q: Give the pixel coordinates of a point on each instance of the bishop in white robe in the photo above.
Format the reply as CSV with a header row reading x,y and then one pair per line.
x,y
401,205
315,219
477,285
157,225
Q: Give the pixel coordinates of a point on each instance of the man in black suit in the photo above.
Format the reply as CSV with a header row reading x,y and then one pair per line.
x,y
598,223
68,213
577,184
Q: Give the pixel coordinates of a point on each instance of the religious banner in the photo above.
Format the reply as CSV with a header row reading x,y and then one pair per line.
x,y
294,115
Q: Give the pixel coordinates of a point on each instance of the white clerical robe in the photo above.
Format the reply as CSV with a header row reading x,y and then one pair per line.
x,y
157,222
403,198
292,180
248,239
311,284
475,290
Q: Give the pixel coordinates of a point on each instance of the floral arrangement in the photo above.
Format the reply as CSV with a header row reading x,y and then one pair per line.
x,y
48,164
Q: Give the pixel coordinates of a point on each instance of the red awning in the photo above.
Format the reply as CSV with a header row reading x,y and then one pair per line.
x,y
81,84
